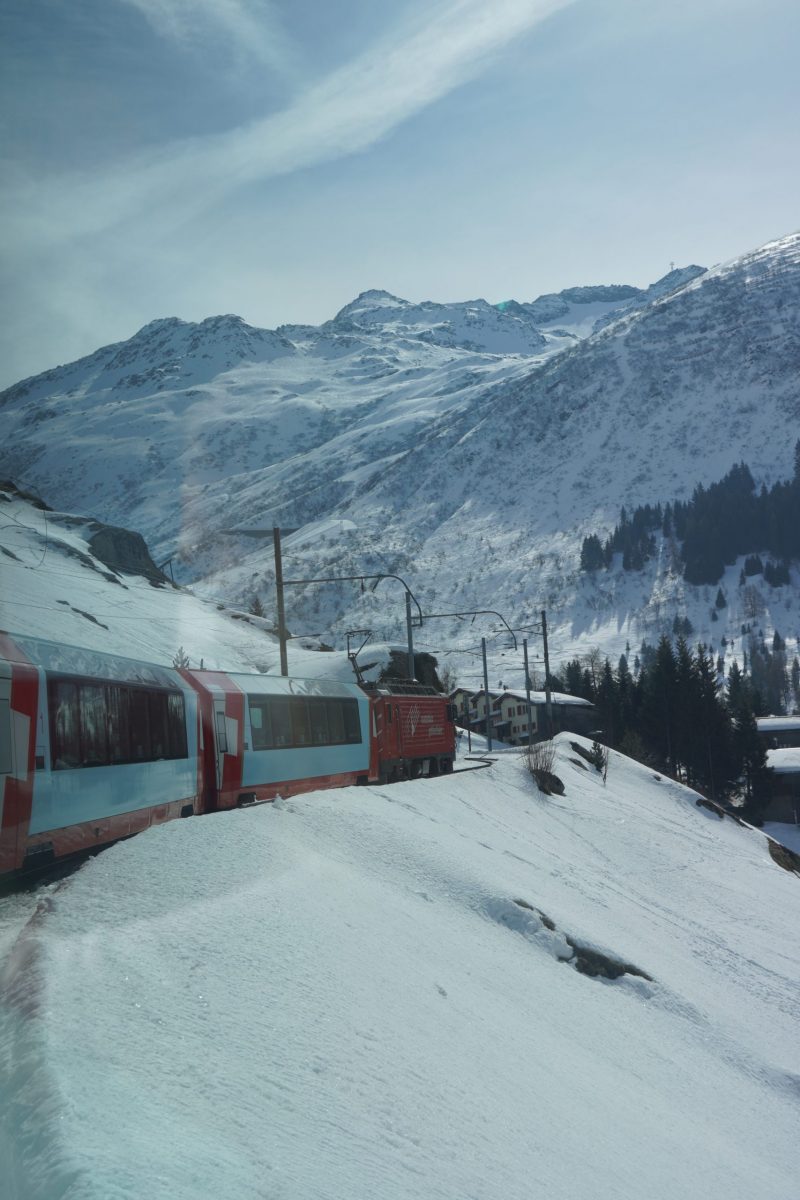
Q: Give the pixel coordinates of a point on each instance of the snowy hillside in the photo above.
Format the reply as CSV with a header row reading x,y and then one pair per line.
x,y
393,992
466,447
55,586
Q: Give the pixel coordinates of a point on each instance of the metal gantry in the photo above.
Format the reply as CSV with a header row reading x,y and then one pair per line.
x,y
281,583
362,578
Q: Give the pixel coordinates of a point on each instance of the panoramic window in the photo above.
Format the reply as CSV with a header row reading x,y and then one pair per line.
x,y
291,722
98,724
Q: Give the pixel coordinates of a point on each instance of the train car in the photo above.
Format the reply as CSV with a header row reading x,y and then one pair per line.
x,y
269,735
414,730
93,747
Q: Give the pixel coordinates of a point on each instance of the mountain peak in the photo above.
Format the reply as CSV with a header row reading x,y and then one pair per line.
x,y
374,302
159,325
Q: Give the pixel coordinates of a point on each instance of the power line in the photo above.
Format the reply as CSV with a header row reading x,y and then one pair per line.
x,y
30,529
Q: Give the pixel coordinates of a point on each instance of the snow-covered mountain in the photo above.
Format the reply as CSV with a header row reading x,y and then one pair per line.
x,y
466,447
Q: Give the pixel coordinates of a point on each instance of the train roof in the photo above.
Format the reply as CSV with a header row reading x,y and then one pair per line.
x,y
401,688
96,664
79,660
275,685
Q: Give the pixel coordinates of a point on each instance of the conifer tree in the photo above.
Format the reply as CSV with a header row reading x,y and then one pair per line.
x,y
750,754
659,705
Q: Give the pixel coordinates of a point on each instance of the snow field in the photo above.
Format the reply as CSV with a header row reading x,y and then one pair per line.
x,y
338,996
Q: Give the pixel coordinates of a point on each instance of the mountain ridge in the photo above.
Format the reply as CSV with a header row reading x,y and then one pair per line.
x,y
472,473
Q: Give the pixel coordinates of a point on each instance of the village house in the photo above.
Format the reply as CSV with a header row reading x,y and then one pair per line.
x,y
784,798
781,735
509,714
779,732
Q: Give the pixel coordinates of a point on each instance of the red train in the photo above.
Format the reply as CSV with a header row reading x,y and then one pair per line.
x,y
96,747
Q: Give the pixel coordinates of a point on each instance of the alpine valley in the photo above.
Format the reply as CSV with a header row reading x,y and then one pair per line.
x,y
467,447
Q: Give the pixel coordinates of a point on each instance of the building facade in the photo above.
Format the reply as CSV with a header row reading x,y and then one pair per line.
x,y
508,714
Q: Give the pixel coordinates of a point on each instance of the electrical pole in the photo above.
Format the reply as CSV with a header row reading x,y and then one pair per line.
x,y
410,636
547,697
486,697
276,539
527,690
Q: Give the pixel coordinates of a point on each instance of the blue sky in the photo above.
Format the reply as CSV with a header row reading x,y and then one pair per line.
x,y
275,157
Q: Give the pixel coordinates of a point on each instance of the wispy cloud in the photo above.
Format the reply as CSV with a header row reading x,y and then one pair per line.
x,y
251,29
344,113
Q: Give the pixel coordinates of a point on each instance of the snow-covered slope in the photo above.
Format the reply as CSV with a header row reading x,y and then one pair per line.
x,y
53,585
455,445
377,992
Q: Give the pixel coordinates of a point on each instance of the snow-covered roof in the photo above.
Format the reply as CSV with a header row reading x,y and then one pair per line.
x,y
773,724
536,697
541,697
785,761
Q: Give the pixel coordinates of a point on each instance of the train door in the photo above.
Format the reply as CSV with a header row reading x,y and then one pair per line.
x,y
19,693
220,739
228,715
9,841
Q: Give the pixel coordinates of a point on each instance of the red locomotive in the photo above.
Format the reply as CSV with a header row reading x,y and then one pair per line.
x,y
96,747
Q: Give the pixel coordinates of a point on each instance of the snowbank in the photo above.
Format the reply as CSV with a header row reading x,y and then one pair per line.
x,y
373,993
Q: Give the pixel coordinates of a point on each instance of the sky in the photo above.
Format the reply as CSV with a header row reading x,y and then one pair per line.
x,y
274,158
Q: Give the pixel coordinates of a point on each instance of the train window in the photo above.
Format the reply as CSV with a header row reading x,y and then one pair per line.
x,y
157,712
260,723
335,721
119,724
65,725
140,725
283,722
96,724
352,724
176,724
298,711
94,741
318,720
281,726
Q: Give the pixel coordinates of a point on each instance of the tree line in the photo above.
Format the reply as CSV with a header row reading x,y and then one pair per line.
x,y
711,530
672,715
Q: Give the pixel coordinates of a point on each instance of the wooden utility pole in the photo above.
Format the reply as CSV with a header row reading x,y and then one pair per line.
x,y
276,539
548,700
486,697
527,691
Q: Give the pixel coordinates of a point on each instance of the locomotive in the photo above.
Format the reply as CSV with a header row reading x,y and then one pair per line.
x,y
96,747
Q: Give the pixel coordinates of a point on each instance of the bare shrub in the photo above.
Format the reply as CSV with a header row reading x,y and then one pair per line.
x,y
540,759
